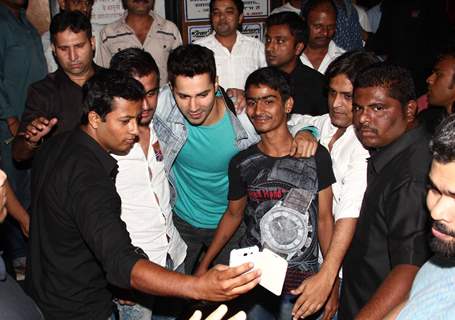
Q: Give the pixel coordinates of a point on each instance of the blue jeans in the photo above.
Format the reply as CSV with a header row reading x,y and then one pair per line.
x,y
143,309
263,305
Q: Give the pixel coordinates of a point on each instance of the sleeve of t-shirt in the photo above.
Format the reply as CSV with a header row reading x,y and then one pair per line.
x,y
324,168
237,186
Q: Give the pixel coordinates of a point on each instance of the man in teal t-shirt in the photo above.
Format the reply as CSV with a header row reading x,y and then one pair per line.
x,y
198,135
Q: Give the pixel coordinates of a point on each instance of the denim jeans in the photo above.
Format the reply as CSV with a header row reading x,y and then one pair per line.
x,y
164,308
261,304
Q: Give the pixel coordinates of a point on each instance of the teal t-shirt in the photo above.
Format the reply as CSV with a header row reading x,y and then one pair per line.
x,y
201,173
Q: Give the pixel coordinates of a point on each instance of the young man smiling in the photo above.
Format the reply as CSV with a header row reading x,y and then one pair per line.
x,y
199,135
265,179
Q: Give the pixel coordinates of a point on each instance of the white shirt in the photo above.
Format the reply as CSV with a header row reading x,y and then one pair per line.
x,y
47,48
285,8
332,53
144,190
349,161
246,56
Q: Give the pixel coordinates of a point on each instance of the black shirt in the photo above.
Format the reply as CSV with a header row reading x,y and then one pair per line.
x,y
267,180
78,243
393,222
308,90
54,96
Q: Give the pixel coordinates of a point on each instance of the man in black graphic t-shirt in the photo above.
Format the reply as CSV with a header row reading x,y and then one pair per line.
x,y
285,202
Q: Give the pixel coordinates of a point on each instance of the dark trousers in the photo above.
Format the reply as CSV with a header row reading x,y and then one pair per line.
x,y
199,239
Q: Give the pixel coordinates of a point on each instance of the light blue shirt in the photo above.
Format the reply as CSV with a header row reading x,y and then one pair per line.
x,y
200,171
433,292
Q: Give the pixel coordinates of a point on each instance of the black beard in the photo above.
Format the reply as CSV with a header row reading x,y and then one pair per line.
x,y
441,247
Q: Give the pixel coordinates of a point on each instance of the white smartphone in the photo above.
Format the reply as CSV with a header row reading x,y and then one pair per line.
x,y
273,270
243,255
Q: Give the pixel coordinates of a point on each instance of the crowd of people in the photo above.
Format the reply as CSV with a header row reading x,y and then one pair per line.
x,y
135,164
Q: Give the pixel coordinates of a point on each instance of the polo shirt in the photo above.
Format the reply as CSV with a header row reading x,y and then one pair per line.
x,y
308,87
393,222
78,243
161,39
54,96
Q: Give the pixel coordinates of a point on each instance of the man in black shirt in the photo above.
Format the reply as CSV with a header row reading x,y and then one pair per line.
x,y
285,39
54,104
78,242
260,180
389,243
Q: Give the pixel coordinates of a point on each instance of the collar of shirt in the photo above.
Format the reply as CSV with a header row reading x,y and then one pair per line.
x,y
381,157
107,162
61,75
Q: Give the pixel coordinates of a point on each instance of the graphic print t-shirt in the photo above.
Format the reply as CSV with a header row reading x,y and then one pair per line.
x,y
266,180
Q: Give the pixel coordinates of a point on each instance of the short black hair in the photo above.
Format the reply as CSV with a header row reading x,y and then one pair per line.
x,y
310,5
397,80
134,61
101,89
238,3
351,64
76,21
443,143
296,25
191,60
273,78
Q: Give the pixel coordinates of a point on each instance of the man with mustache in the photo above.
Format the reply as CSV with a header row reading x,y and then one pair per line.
x,y
236,55
389,243
320,49
262,181
54,104
84,6
349,160
142,28
432,295
285,39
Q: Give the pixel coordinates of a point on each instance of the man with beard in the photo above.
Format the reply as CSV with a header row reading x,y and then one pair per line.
x,y
389,243
142,28
432,294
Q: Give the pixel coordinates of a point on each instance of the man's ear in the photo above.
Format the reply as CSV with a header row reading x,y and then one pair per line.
x,y
299,48
216,84
94,119
241,19
288,105
62,4
411,111
93,43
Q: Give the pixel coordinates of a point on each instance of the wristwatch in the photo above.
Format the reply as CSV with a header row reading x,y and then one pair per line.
x,y
285,228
